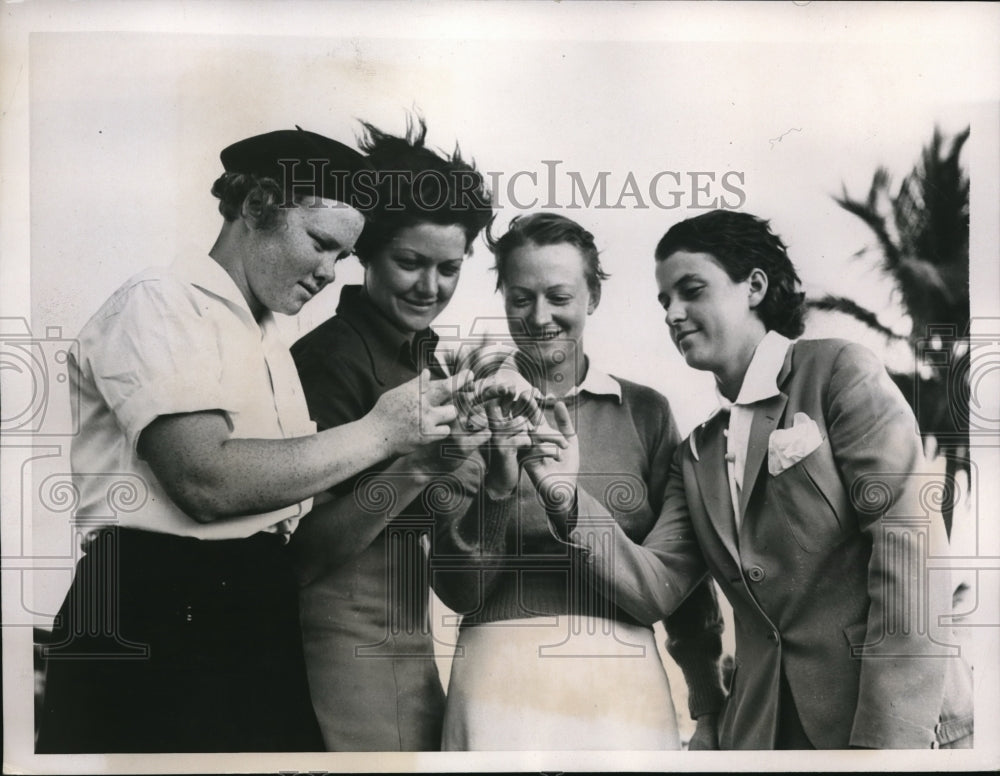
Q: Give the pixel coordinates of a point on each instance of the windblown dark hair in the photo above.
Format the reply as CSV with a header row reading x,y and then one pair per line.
x,y
547,228
741,242
414,185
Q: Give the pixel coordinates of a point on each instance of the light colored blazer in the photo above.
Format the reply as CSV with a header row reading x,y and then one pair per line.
x,y
827,576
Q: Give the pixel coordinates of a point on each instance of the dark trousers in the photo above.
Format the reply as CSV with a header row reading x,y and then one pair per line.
x,y
171,644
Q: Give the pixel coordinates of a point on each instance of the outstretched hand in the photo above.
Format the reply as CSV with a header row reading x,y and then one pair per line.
x,y
553,461
508,435
417,412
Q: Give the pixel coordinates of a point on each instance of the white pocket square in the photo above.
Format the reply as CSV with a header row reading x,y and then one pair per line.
x,y
788,446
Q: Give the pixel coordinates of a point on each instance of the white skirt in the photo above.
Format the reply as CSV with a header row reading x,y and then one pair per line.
x,y
558,683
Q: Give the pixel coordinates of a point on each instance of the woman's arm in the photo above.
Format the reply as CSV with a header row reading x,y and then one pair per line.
x,y
694,629
470,548
211,475
339,529
468,553
649,580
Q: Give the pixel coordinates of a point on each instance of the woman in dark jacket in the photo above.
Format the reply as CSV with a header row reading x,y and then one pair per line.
x,y
363,569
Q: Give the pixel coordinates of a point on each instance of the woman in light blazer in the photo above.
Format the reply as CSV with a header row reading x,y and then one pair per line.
x,y
812,505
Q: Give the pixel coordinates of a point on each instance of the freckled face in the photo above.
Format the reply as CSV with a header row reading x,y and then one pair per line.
x,y
546,299
413,277
710,316
285,267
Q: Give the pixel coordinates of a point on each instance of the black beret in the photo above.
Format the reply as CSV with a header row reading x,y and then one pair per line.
x,y
299,160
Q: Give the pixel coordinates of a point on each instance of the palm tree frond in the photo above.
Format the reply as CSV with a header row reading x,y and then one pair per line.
x,y
841,304
922,234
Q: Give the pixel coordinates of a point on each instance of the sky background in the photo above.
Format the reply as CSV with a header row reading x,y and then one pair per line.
x,y
126,130
114,115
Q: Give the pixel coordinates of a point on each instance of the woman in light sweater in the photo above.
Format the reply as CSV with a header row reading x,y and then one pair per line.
x,y
554,652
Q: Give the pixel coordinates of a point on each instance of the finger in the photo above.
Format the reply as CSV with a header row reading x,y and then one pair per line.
x,y
476,439
545,433
499,422
496,410
520,403
487,390
520,439
464,395
441,416
432,390
509,432
514,424
528,407
510,427
545,450
432,433
549,435
474,422
463,381
469,351
564,422
438,392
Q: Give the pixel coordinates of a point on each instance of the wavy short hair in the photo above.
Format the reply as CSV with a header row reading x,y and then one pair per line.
x,y
741,242
264,197
414,185
548,228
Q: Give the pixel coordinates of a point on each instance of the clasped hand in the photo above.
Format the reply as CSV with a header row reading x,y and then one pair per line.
x,y
521,436
453,417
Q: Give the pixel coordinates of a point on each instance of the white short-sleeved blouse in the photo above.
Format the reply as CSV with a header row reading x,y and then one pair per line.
x,y
174,340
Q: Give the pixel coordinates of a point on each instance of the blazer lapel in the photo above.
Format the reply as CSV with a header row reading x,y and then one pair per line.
x,y
713,480
766,416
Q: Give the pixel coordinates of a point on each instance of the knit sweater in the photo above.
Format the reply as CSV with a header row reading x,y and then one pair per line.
x,y
505,560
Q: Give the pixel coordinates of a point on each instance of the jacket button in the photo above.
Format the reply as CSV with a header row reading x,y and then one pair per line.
x,y
756,573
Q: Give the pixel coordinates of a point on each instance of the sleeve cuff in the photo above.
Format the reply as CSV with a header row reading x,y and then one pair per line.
x,y
882,731
168,398
586,513
704,682
562,524
284,520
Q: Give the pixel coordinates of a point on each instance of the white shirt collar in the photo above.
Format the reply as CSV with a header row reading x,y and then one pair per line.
x,y
761,379
597,383
207,274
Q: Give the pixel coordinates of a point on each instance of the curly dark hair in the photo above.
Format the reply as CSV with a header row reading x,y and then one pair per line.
x,y
548,228
741,242
414,185
264,197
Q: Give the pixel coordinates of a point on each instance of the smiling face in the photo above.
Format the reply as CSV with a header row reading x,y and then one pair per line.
x,y
412,278
711,317
285,267
547,300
